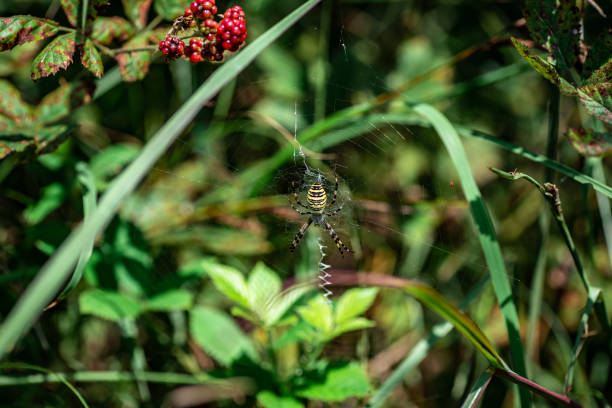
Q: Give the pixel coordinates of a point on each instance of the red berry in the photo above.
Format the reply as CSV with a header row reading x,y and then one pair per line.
x,y
194,57
188,12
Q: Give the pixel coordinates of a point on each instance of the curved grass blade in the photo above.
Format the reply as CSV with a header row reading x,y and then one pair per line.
x,y
486,234
477,392
53,273
59,377
420,351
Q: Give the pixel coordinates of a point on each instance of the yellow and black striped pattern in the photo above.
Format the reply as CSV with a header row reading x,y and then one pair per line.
x,y
317,198
300,235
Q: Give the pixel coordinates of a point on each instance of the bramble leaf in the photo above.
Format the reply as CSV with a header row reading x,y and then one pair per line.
x,y
105,30
137,11
108,304
230,282
353,303
598,65
72,9
263,284
18,30
135,65
170,9
90,58
597,99
338,383
27,143
219,335
11,104
55,56
590,143
65,99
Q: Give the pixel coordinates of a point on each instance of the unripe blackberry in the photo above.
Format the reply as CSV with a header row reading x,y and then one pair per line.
x,y
172,47
231,31
203,9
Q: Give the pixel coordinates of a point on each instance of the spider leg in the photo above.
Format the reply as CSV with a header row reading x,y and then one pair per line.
x,y
337,210
333,201
300,234
298,210
334,236
295,196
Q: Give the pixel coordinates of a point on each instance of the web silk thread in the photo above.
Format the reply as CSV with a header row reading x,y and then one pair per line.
x,y
324,276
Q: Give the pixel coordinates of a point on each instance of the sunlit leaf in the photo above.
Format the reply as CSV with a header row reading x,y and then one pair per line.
x,y
590,143
137,11
108,304
52,197
55,56
339,383
267,399
282,302
90,58
134,66
18,30
105,30
62,101
263,284
353,303
318,313
173,299
219,336
230,282
355,323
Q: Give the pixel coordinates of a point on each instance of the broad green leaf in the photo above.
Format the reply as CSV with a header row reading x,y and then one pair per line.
x,y
230,282
491,249
556,25
219,336
105,30
90,58
89,206
268,399
11,104
338,384
590,143
318,313
137,11
18,30
55,56
170,9
263,284
135,65
27,143
353,303
173,299
53,196
597,99
282,302
111,160
61,102
355,323
108,304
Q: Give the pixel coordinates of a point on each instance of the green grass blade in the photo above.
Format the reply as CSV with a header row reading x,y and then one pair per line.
x,y
57,269
420,351
88,184
486,234
477,392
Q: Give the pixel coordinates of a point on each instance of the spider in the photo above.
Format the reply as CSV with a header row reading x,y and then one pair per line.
x,y
317,204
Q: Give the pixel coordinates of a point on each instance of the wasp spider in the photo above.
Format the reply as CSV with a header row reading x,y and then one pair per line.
x,y
318,210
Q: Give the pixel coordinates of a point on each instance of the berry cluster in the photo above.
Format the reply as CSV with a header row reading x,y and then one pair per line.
x,y
212,38
231,32
172,47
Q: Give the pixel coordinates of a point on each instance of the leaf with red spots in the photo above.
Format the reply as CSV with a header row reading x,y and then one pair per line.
x,y
72,8
90,58
590,143
598,65
55,56
17,30
556,26
105,30
597,99
135,65
27,143
65,99
12,106
137,11
170,9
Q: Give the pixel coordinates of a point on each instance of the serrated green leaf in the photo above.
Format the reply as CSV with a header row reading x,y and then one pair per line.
x,y
268,399
338,384
71,9
11,104
55,56
108,305
137,11
61,102
18,30
590,143
597,99
263,284
556,26
105,30
173,299
90,58
353,303
170,9
52,197
28,143
318,313
356,323
134,66
282,302
219,336
598,65
230,282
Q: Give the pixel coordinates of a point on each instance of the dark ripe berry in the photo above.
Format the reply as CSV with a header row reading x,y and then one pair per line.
x,y
210,37
172,47
203,9
194,57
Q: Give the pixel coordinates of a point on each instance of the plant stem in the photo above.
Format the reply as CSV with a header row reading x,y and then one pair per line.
x,y
106,376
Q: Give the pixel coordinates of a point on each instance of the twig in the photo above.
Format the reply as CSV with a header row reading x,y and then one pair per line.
x,y
538,389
